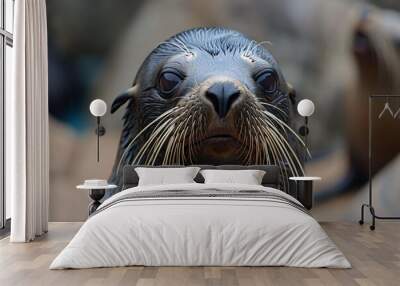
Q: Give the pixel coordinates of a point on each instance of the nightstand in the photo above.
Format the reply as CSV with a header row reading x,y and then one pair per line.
x,y
96,192
304,190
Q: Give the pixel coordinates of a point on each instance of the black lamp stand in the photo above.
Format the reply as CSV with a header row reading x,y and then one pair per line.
x,y
100,131
304,131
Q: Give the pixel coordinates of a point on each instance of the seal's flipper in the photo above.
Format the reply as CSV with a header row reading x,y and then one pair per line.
x,y
123,98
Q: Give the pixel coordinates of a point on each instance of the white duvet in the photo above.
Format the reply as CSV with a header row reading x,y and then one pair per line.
x,y
200,231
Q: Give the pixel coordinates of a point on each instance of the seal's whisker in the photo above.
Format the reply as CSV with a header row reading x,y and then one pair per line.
x,y
169,157
250,138
156,148
284,143
265,150
143,151
147,144
271,141
189,144
260,138
178,143
268,140
252,141
156,132
286,150
276,132
177,150
175,140
172,156
168,151
182,145
191,138
198,124
185,129
249,135
257,147
283,124
255,141
152,154
275,107
268,145
128,148
160,144
276,152
185,139
245,136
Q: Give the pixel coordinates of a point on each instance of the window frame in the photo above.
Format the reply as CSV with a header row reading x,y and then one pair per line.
x,y
6,39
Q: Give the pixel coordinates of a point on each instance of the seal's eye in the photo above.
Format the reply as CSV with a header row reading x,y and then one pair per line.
x,y
168,82
268,80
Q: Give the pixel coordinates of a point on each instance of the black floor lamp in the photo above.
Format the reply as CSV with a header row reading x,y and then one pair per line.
x,y
98,108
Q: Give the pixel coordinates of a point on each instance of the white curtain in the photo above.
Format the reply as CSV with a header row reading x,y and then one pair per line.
x,y
27,147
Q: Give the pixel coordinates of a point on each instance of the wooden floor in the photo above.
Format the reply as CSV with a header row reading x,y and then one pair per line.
x,y
375,257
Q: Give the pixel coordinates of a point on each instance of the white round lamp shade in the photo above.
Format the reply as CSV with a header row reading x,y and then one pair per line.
x,y
98,107
306,108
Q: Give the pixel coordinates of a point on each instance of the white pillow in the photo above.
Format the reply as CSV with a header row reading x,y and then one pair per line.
x,y
248,177
166,176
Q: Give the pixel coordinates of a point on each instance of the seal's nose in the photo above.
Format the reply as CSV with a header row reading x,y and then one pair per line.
x,y
222,95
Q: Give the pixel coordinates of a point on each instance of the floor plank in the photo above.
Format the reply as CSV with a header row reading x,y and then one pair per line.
x,y
375,257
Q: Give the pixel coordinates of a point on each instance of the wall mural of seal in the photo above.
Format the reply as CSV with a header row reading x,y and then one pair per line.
x,y
209,96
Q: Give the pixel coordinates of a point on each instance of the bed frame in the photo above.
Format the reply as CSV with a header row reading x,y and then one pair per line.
x,y
272,177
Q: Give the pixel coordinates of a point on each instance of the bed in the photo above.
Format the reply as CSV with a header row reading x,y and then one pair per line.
x,y
199,224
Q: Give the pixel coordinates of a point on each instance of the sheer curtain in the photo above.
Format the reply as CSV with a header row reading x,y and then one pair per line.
x,y
27,155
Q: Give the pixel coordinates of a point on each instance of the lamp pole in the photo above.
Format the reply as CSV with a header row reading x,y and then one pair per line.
x,y
98,138
305,138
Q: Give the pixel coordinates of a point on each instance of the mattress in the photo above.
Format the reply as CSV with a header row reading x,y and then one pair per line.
x,y
201,225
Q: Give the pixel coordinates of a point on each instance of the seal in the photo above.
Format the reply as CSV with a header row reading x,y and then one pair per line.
x,y
208,96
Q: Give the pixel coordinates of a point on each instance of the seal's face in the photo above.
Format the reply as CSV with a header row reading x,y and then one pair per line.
x,y
219,87
207,96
